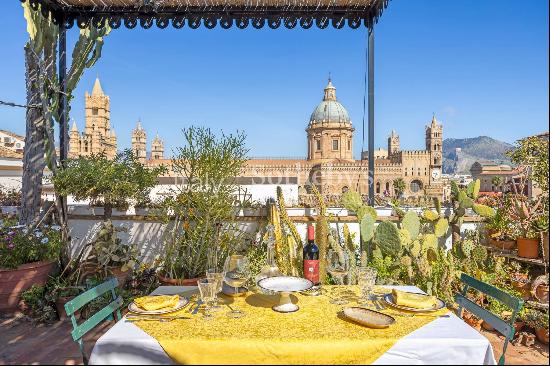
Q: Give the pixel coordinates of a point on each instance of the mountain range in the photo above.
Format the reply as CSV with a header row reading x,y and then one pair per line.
x,y
460,154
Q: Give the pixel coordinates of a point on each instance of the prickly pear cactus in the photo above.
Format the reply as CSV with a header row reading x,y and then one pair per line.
x,y
405,237
429,215
437,205
411,223
416,248
387,239
484,211
479,254
429,241
406,261
367,228
441,227
467,247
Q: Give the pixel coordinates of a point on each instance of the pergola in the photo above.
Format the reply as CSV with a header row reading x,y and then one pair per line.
x,y
211,13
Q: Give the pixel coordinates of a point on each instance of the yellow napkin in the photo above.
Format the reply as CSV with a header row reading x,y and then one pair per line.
x,y
416,301
151,303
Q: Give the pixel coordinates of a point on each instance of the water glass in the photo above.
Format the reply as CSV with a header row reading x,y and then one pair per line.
x,y
215,276
237,271
207,291
338,269
366,278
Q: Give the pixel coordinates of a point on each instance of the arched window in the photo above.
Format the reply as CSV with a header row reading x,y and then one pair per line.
x,y
378,187
345,189
388,186
416,186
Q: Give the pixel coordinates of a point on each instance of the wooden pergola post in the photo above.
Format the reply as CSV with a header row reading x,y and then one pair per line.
x,y
371,112
63,122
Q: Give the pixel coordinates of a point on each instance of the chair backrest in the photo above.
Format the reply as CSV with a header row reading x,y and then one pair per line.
x,y
504,328
79,330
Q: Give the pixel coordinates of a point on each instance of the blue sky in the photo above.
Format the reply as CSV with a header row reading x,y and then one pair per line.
x,y
480,66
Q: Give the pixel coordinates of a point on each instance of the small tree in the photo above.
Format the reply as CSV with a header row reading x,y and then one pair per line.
x,y
110,182
399,187
497,182
532,155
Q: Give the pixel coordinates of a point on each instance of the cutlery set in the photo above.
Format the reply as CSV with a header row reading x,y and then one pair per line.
x,y
162,318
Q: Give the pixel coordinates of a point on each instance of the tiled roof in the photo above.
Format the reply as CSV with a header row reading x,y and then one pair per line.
x,y
8,153
14,135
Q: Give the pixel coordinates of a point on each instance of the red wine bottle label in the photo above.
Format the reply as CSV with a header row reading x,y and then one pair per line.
x,y
311,270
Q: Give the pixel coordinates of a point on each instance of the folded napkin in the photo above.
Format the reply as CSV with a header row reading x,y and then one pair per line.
x,y
163,302
416,301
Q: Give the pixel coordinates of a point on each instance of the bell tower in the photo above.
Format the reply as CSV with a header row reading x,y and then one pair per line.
x,y
157,148
434,143
139,143
393,143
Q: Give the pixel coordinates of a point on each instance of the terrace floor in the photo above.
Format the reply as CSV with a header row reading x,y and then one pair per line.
x,y
24,343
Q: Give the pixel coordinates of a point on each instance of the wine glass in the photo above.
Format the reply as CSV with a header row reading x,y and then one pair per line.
x,y
338,269
236,270
366,278
215,275
207,290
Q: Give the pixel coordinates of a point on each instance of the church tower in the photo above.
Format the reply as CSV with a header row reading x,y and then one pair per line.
x,y
330,132
74,142
434,143
139,143
393,143
97,109
157,148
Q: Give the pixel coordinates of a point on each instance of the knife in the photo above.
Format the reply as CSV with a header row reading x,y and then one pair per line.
x,y
196,310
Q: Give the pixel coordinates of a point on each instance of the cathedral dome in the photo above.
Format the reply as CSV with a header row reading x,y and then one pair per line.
x,y
330,110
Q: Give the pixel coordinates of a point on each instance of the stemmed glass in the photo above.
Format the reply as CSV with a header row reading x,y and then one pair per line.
x,y
236,270
207,290
216,276
338,269
366,278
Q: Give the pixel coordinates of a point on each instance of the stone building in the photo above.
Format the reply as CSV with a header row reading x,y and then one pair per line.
x,y
331,167
99,136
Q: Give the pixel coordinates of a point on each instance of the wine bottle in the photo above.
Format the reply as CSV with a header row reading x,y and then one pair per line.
x,y
311,257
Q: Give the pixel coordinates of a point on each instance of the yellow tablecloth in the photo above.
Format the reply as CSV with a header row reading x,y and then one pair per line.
x,y
316,334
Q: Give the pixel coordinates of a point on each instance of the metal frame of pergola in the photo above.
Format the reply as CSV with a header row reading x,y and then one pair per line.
x,y
210,13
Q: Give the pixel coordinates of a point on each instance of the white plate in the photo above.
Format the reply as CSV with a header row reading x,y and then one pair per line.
x,y
285,284
133,308
369,318
438,306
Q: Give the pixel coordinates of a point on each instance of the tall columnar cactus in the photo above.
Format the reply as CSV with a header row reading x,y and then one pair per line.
x,y
297,267
387,239
281,247
350,249
321,239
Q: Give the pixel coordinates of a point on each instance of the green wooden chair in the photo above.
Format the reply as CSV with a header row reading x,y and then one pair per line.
x,y
79,330
504,328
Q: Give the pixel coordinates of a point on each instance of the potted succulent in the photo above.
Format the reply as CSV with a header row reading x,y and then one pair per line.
x,y
26,259
541,226
538,320
525,213
61,291
201,211
520,281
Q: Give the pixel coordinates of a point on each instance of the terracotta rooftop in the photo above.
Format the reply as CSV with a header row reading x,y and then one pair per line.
x,y
14,135
8,153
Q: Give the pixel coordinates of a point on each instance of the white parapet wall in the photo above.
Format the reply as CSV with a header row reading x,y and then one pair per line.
x,y
139,228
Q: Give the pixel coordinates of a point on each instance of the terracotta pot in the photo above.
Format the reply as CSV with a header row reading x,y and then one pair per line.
x,y
487,326
518,326
60,307
121,276
503,244
542,335
13,282
167,281
528,248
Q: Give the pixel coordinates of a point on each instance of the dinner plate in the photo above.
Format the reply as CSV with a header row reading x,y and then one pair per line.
x,y
440,304
368,318
133,308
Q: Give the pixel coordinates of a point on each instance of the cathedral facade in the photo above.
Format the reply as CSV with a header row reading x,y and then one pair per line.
x,y
99,136
331,167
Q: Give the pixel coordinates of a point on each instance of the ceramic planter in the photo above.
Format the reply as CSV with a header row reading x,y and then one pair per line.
x,y
528,248
13,282
542,335
121,276
60,307
167,281
503,244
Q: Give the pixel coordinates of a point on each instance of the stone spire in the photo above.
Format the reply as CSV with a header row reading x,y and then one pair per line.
x,y
97,90
157,148
74,128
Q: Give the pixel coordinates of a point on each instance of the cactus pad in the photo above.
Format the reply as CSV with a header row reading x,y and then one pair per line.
x,y
387,239
441,227
429,215
411,223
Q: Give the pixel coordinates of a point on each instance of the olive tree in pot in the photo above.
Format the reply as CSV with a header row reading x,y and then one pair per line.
x,y
115,183
202,209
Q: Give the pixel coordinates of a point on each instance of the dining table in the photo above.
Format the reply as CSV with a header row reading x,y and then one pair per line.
x,y
445,339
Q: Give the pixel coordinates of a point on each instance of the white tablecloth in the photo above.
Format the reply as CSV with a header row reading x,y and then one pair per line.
x,y
443,341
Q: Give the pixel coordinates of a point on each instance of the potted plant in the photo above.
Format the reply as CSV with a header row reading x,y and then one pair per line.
x,y
61,291
201,211
520,281
538,320
498,230
26,259
541,226
539,289
524,214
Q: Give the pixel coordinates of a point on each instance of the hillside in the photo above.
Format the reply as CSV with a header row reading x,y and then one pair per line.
x,y
482,148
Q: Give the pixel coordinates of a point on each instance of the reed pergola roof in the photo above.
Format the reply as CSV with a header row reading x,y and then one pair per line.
x,y
210,13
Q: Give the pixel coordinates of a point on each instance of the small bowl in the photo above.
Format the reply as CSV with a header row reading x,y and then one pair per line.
x,y
368,318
